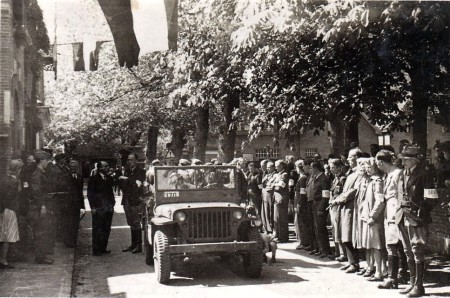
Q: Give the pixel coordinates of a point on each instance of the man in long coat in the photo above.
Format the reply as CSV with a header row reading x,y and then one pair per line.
x,y
346,200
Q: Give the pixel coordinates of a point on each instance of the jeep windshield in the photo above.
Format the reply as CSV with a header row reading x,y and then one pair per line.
x,y
195,178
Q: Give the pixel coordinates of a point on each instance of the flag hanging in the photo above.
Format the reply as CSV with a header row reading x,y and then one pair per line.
x,y
78,59
141,26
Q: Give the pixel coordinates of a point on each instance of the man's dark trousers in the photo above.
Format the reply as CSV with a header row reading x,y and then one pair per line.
x,y
101,228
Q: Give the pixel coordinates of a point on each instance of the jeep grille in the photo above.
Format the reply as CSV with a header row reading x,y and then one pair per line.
x,y
211,225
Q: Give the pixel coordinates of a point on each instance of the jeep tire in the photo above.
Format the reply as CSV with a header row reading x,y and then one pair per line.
x,y
254,259
161,257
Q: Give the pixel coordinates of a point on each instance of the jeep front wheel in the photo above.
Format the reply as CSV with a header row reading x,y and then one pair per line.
x,y
161,256
253,260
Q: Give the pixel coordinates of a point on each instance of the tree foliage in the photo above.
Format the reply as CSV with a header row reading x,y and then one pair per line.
x,y
293,64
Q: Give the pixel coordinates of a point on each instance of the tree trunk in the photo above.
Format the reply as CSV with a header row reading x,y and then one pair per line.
x,y
419,110
152,140
352,132
227,132
178,142
337,135
201,132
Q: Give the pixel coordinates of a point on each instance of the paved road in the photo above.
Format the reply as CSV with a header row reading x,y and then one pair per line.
x,y
296,274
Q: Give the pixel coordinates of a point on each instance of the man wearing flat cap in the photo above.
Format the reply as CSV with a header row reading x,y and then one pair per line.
x,y
38,213
413,216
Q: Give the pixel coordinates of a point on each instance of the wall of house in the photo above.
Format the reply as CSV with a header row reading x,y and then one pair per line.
x,y
6,71
18,95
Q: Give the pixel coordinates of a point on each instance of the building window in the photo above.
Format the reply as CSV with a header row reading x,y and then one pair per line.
x,y
270,153
310,152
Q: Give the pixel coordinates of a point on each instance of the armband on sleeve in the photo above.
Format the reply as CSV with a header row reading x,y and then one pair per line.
x,y
430,193
326,194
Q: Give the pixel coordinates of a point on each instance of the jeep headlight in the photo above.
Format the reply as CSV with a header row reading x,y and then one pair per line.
x,y
181,216
237,214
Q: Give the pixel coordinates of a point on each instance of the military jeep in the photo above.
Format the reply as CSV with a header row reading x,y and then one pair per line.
x,y
196,212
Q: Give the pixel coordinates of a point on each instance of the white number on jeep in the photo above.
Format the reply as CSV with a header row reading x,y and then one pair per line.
x,y
171,194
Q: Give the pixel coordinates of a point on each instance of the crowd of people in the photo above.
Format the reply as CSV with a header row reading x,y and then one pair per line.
x,y
40,203
375,202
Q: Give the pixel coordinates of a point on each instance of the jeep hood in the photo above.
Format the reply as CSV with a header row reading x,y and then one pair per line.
x,y
167,210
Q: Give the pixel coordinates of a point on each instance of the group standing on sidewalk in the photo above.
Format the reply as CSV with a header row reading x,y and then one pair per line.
x,y
40,203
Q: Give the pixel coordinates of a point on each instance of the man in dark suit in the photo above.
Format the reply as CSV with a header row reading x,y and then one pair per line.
x,y
413,216
101,199
132,201
320,194
301,206
75,206
281,201
346,202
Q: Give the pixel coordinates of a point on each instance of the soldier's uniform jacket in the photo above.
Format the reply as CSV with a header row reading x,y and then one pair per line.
x,y
132,192
76,191
58,178
412,204
39,189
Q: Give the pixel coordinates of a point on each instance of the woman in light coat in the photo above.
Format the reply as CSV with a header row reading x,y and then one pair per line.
x,y
373,219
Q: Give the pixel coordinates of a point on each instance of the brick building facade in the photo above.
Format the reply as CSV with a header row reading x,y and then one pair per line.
x,y
22,110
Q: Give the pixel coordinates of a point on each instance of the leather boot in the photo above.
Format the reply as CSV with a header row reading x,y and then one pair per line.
x,y
133,242
418,290
403,266
391,282
412,277
138,246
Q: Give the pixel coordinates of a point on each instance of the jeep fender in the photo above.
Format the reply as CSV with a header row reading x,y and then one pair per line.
x,y
159,221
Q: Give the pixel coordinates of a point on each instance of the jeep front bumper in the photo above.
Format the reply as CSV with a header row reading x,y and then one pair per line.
x,y
213,247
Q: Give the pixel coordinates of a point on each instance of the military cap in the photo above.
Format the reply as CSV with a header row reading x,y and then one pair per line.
x,y
155,162
41,154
